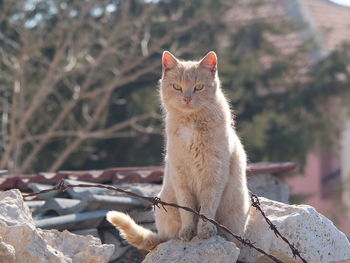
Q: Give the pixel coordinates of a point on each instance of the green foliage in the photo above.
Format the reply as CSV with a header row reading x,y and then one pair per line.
x,y
284,110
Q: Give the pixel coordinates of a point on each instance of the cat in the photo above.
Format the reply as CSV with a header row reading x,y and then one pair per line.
x,y
205,163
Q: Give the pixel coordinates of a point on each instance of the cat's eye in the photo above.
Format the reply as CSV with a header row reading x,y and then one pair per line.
x,y
177,87
198,87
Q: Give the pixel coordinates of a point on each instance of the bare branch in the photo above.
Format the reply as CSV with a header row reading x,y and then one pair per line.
x,y
72,146
68,70
66,110
120,81
9,41
111,132
47,83
6,8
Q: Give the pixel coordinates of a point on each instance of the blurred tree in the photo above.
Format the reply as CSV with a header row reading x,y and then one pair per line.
x,y
287,103
78,81
75,72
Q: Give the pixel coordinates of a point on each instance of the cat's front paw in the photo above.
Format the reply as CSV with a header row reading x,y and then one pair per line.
x,y
206,229
188,232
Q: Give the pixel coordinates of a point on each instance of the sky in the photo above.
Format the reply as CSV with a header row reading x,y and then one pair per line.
x,y
342,2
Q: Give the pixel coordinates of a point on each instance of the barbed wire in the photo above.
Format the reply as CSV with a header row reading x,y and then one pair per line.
x,y
256,204
157,202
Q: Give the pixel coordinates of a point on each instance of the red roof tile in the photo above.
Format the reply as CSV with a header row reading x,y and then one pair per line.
x,y
152,174
331,20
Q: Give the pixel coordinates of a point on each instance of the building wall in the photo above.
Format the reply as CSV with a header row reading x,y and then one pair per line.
x,y
328,25
319,186
345,166
326,178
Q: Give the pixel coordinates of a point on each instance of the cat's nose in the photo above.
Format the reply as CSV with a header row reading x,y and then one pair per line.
x,y
187,99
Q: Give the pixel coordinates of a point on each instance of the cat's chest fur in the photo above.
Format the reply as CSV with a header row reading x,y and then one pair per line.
x,y
189,141
187,134
191,133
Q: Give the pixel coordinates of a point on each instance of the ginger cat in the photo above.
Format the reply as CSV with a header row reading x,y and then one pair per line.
x,y
205,162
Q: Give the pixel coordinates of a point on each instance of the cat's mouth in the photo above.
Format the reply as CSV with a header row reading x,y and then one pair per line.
x,y
184,107
188,107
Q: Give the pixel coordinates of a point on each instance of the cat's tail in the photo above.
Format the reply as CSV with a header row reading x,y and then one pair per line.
x,y
135,234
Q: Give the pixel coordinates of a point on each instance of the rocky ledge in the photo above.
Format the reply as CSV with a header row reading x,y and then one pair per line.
x,y
21,241
315,236
215,249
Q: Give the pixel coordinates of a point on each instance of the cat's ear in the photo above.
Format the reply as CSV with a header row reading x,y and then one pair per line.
x,y
209,61
168,60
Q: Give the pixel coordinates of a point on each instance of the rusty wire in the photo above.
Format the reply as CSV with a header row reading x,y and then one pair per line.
x,y
157,202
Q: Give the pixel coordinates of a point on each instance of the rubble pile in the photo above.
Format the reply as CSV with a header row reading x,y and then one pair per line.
x,y
83,210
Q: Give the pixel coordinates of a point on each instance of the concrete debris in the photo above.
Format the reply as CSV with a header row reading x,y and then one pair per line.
x,y
315,236
40,187
83,193
28,244
141,189
213,250
269,186
79,248
111,202
89,231
33,205
61,206
111,236
83,220
7,252
82,211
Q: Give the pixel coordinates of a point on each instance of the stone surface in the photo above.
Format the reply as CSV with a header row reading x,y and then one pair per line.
x,y
213,250
315,236
7,252
85,232
77,248
269,186
28,244
111,236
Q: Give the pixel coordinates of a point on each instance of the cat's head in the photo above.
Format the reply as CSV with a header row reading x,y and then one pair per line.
x,y
188,86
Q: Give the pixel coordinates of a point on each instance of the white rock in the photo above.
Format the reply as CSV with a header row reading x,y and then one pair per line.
x,y
213,250
315,236
120,245
32,245
7,252
79,248
13,211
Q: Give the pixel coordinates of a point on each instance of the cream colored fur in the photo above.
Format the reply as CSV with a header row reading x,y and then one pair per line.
x,y
135,234
205,162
